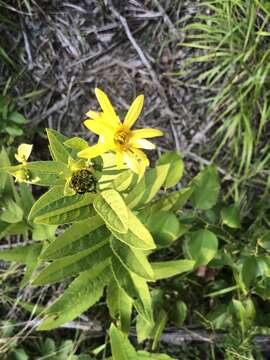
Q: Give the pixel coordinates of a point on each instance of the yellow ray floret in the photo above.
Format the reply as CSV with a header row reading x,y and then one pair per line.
x,y
117,136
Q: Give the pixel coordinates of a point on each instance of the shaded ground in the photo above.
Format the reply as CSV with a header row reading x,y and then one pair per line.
x,y
125,47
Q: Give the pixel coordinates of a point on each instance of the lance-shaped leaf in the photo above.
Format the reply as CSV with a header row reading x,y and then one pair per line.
x,y
176,167
144,355
121,347
44,173
135,286
112,208
166,269
72,265
22,254
120,305
172,201
137,236
58,151
76,143
11,212
66,209
125,181
78,237
133,259
81,294
55,193
4,177
147,188
27,199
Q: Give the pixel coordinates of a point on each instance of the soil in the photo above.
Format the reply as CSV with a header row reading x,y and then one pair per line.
x,y
124,47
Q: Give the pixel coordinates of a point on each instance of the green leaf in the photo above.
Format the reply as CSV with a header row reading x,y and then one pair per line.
x,y
28,273
4,162
77,238
120,305
55,193
121,347
14,131
239,312
164,227
160,324
206,188
10,212
133,259
135,287
27,199
220,317
137,235
81,294
172,201
45,173
144,329
144,355
72,265
179,313
166,269
76,143
176,167
125,181
17,118
20,353
253,266
58,151
264,242
231,216
147,188
43,232
112,208
66,209
202,246
26,254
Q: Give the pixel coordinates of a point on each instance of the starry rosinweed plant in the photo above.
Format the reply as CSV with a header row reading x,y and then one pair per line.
x,y
118,213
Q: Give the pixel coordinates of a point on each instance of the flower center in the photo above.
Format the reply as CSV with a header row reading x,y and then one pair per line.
x,y
122,137
83,181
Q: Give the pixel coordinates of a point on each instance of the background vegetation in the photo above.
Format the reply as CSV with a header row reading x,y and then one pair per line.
x,y
204,69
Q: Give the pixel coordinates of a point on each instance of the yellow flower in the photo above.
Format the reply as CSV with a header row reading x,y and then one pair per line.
x,y
117,136
23,153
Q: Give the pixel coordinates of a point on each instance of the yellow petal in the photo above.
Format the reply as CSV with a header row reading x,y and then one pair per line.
x,y
146,133
93,151
119,159
143,144
141,156
23,152
94,115
106,105
132,162
134,111
100,127
142,160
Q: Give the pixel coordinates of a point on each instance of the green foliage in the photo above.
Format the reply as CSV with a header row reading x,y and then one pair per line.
x,y
136,245
11,121
122,348
202,246
206,189
234,40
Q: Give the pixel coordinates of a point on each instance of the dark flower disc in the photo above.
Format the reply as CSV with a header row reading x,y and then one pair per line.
x,y
83,181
